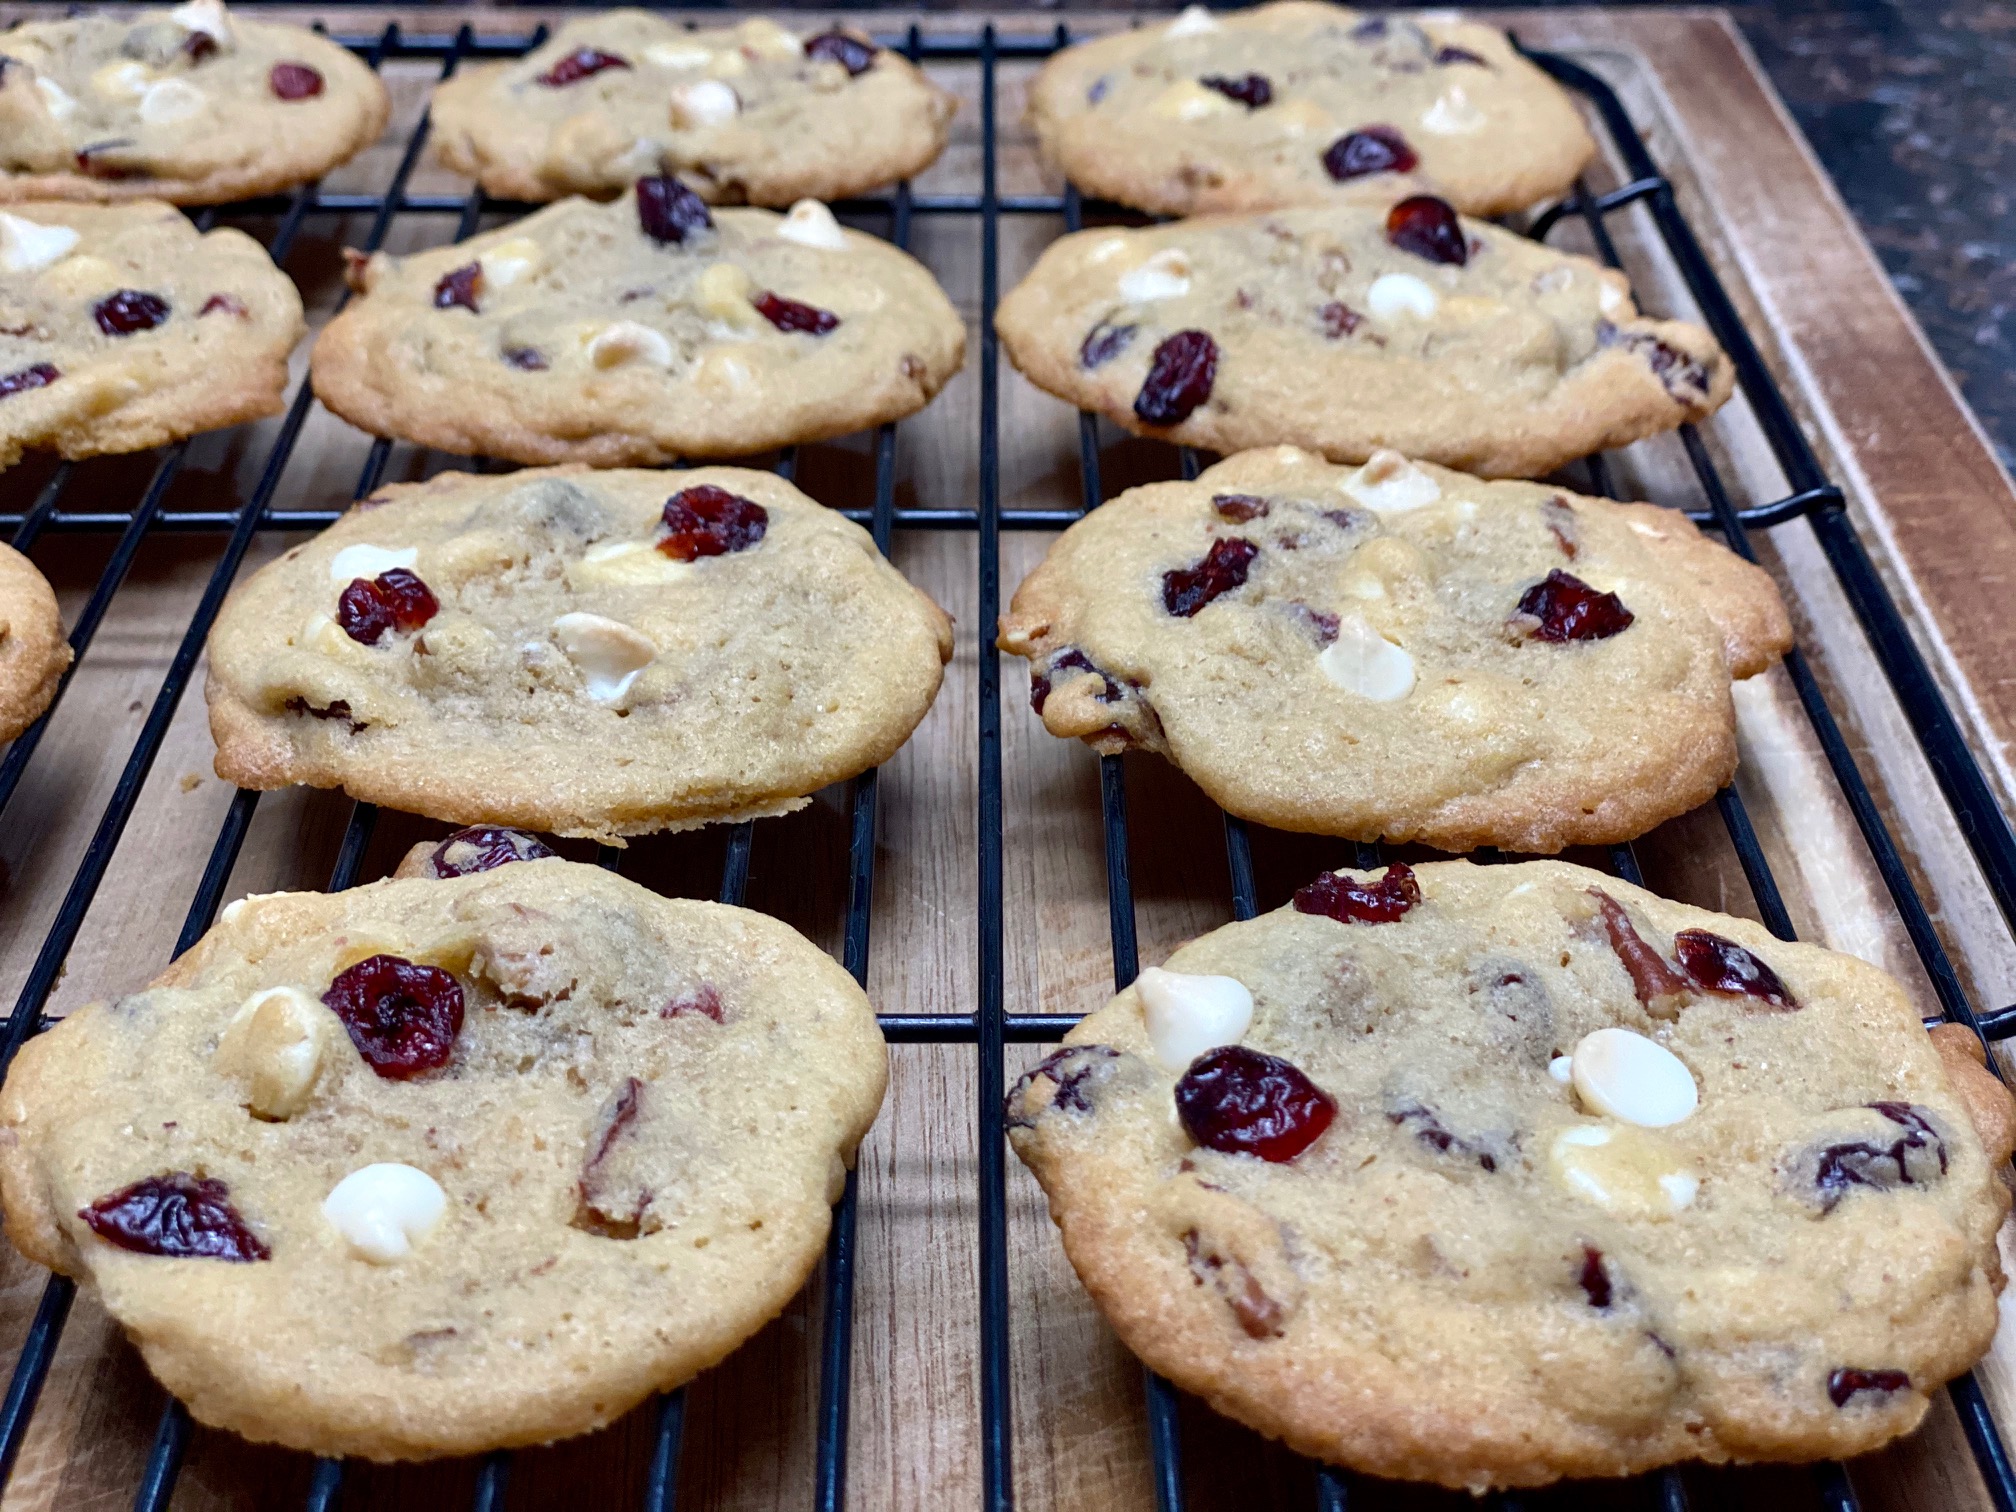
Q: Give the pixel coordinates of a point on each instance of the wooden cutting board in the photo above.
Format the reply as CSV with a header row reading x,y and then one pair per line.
x,y
1890,427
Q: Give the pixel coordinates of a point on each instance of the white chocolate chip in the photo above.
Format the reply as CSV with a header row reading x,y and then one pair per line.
x,y
609,653
1647,530
624,341
83,276
279,1040
682,54
231,911
205,16
811,224
1562,1069
1608,300
1395,294
1391,484
1680,1188
1166,275
57,98
323,634
171,100
367,561
1623,1170
1363,661
382,1211
1453,115
123,80
722,293
704,102
1188,1014
626,562
27,245
1622,1074
509,261
721,369
1187,100
1194,20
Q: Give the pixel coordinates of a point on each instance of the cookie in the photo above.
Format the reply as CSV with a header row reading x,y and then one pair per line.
x,y
1402,652
435,1167
1345,328
1301,103
123,327
596,654
193,105
639,331
749,113
33,652
1491,1175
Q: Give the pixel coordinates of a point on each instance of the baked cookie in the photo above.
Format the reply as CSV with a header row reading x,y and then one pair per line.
x,y
598,654
33,652
639,331
1298,103
1401,652
193,105
1491,1175
435,1167
1345,328
751,112
123,327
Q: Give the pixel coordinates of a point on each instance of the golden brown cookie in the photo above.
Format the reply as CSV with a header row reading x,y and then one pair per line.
x,y
1494,1175
432,1167
33,652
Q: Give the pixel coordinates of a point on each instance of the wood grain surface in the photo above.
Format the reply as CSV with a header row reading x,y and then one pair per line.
x,y
1924,488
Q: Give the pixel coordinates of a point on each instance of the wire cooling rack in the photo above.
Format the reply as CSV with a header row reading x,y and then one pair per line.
x,y
990,1027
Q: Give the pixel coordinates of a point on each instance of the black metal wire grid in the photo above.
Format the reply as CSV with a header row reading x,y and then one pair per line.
x,y
1810,496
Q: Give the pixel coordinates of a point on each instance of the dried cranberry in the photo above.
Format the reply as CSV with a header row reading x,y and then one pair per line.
x,y
1917,1157
1369,30
790,315
230,304
41,375
1652,980
1564,608
458,289
582,63
851,53
1239,507
1185,590
1070,659
706,521
1246,1102
394,600
1076,1071
1428,227
1321,621
703,1000
295,81
484,847
90,160
1681,376
1717,965
1368,150
1103,343
1560,518
529,359
336,708
1348,900
1339,319
402,1017
198,45
128,311
670,212
1260,1315
1179,378
1433,1133
1847,1382
1252,91
177,1215
1444,56
1595,1279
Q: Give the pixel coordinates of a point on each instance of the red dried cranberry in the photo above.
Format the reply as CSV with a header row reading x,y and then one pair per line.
x,y
1076,1071
1239,507
1444,56
295,81
1070,659
402,1017
1652,980
1185,590
1847,1382
128,311
790,315
1595,1279
1432,1132
484,847
1179,378
1347,900
1246,1102
851,53
1560,518
394,600
703,1000
91,161
1717,965
1252,91
230,304
1103,343
1428,227
1339,319
177,1215
198,45
529,359
1368,150
670,212
41,375
706,521
1681,376
459,288
580,64
1564,608
1322,621
1917,1157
